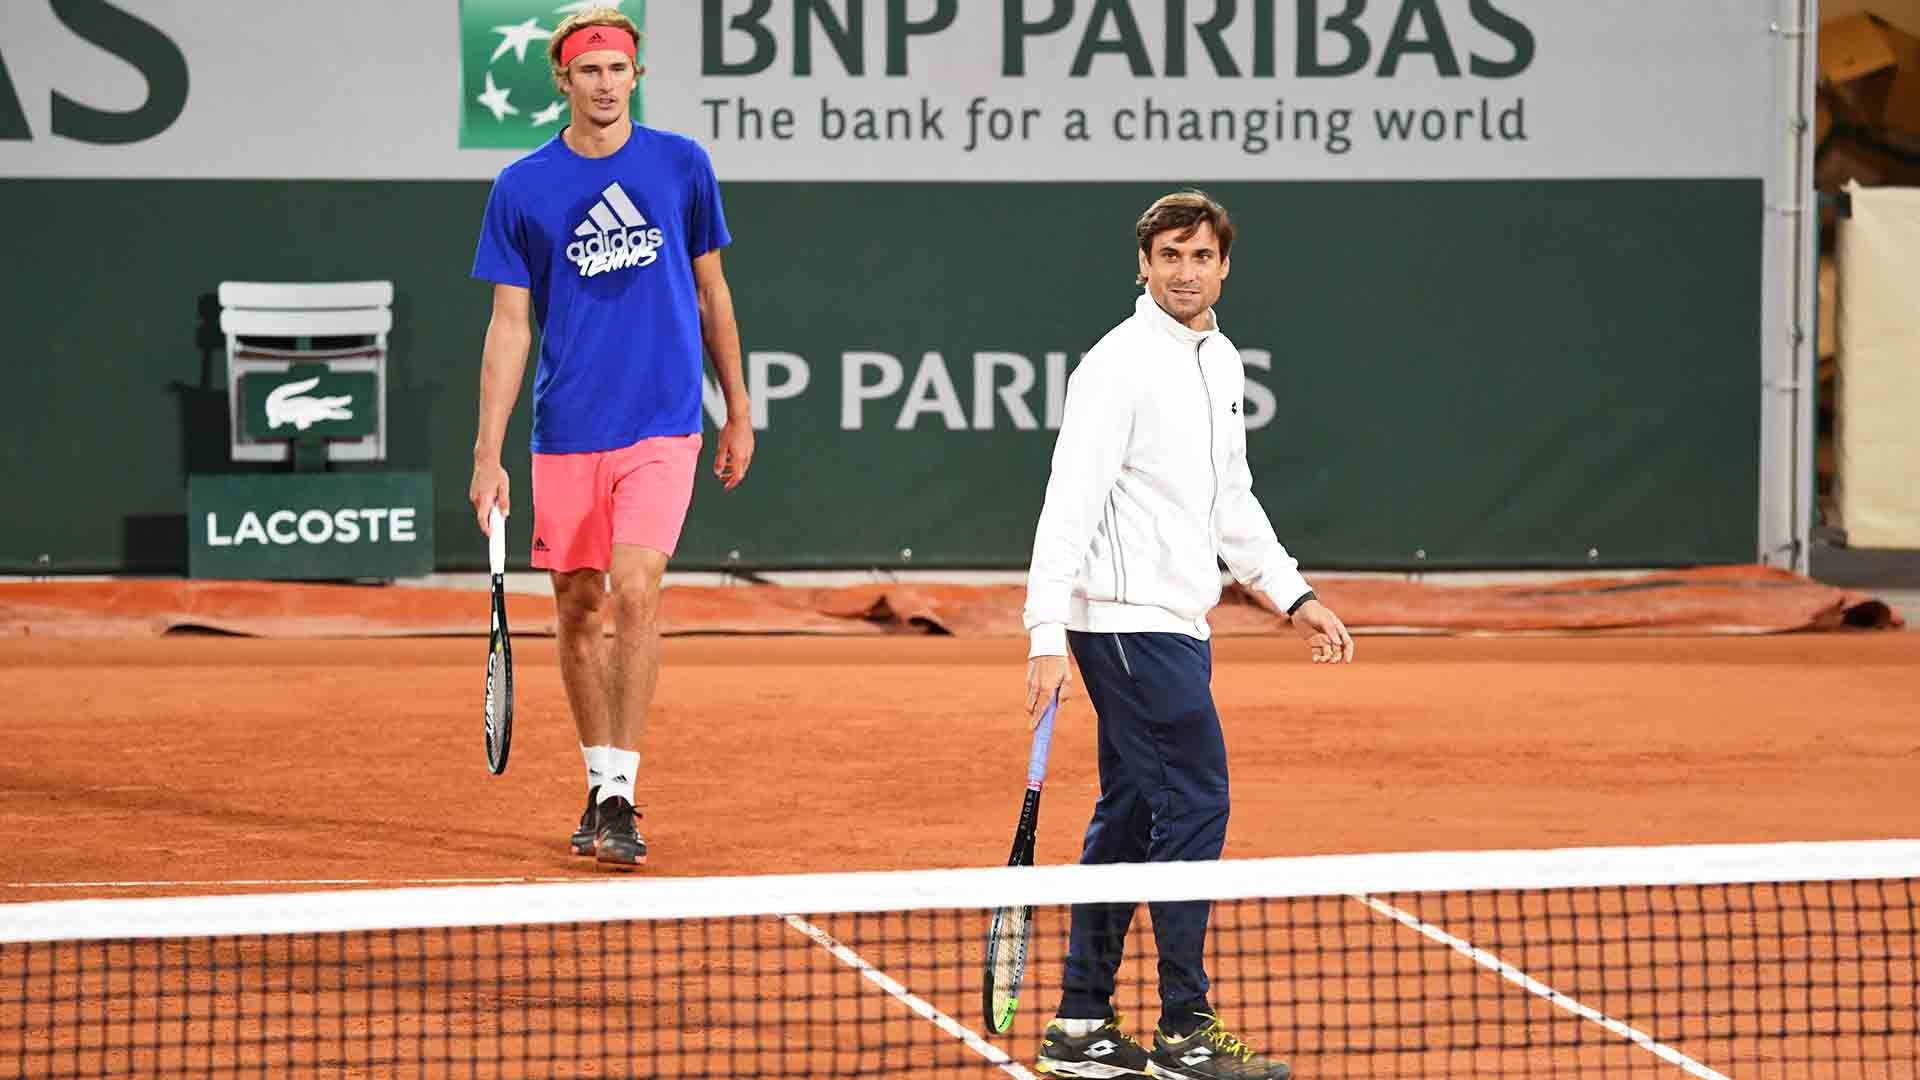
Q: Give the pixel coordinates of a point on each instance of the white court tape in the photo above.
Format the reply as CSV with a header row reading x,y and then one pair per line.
x,y
948,1024
1534,986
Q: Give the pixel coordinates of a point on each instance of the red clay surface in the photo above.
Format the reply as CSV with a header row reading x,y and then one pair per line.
x,y
213,759
195,763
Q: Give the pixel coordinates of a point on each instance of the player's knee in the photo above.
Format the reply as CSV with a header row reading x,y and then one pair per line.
x,y
1199,810
578,597
1210,806
636,603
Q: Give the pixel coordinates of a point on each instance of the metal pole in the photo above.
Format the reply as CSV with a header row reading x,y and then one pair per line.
x,y
1787,502
1806,270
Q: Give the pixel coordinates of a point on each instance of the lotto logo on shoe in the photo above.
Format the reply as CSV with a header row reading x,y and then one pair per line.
x,y
1102,1048
615,236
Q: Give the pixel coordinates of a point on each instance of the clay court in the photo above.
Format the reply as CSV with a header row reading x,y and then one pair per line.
x,y
205,762
198,763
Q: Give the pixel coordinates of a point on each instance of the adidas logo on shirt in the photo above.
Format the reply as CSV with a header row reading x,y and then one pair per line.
x,y
615,236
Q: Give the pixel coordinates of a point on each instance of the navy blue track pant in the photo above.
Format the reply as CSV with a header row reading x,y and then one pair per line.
x,y
1163,798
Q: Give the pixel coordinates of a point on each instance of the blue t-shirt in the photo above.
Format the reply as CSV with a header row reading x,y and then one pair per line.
x,y
606,247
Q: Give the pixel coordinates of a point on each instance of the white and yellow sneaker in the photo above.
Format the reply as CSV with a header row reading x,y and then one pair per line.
x,y
1210,1052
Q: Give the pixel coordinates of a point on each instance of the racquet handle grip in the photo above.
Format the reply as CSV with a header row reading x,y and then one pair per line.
x,y
496,541
1042,742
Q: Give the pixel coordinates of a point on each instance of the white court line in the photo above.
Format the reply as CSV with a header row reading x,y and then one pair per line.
x,y
1534,986
941,1020
218,882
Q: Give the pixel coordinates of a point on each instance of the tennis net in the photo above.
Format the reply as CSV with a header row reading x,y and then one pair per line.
x,y
1726,960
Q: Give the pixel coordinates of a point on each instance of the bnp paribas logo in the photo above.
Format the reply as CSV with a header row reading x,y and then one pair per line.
x,y
507,97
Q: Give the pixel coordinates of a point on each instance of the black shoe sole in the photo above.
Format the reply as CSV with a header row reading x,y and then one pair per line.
x,y
1156,1069
581,846
1082,1069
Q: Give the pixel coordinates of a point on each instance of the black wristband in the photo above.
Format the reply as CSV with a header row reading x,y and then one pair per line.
x,y
1298,603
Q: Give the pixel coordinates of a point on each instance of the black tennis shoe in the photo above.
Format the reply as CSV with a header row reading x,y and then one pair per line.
x,y
616,841
1211,1053
1101,1054
583,833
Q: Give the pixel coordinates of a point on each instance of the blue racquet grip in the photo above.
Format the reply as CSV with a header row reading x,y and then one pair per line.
x,y
1042,741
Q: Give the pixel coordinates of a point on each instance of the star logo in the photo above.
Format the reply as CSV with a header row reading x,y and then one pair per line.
x,y
508,100
517,37
495,100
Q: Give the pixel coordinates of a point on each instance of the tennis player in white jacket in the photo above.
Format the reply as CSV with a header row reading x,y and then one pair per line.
x,y
1150,483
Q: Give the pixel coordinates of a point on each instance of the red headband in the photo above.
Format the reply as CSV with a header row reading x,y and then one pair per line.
x,y
594,38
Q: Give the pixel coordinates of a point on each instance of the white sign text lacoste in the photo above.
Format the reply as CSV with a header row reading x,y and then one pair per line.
x,y
287,527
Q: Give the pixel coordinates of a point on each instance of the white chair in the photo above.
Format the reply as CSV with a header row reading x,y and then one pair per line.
x,y
303,311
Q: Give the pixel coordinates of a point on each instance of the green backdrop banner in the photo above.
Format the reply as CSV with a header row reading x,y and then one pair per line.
x,y
1475,373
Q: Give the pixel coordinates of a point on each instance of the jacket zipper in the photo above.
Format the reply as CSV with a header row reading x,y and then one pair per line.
x,y
1214,501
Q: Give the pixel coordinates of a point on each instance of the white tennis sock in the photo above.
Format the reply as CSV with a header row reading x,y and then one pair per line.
x,y
596,758
622,766
1079,1028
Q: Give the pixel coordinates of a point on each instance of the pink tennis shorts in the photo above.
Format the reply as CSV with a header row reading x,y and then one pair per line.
x,y
583,504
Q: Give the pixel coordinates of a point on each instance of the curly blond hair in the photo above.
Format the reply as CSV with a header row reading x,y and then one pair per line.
x,y
580,20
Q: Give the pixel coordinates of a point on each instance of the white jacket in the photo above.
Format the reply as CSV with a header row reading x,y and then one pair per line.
x,y
1150,483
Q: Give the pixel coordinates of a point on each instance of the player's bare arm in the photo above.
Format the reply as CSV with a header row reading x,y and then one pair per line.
x,y
503,362
721,335
1325,634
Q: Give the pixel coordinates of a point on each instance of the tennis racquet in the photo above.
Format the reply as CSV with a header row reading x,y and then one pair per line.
x,y
1006,965
499,714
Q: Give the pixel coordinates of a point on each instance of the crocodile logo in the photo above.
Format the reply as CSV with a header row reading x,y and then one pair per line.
x,y
288,404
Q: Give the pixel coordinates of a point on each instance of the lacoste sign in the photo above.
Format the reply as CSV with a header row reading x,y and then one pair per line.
x,y
310,525
314,526
507,96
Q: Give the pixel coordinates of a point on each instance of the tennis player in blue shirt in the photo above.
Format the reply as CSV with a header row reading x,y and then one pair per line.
x,y
609,237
